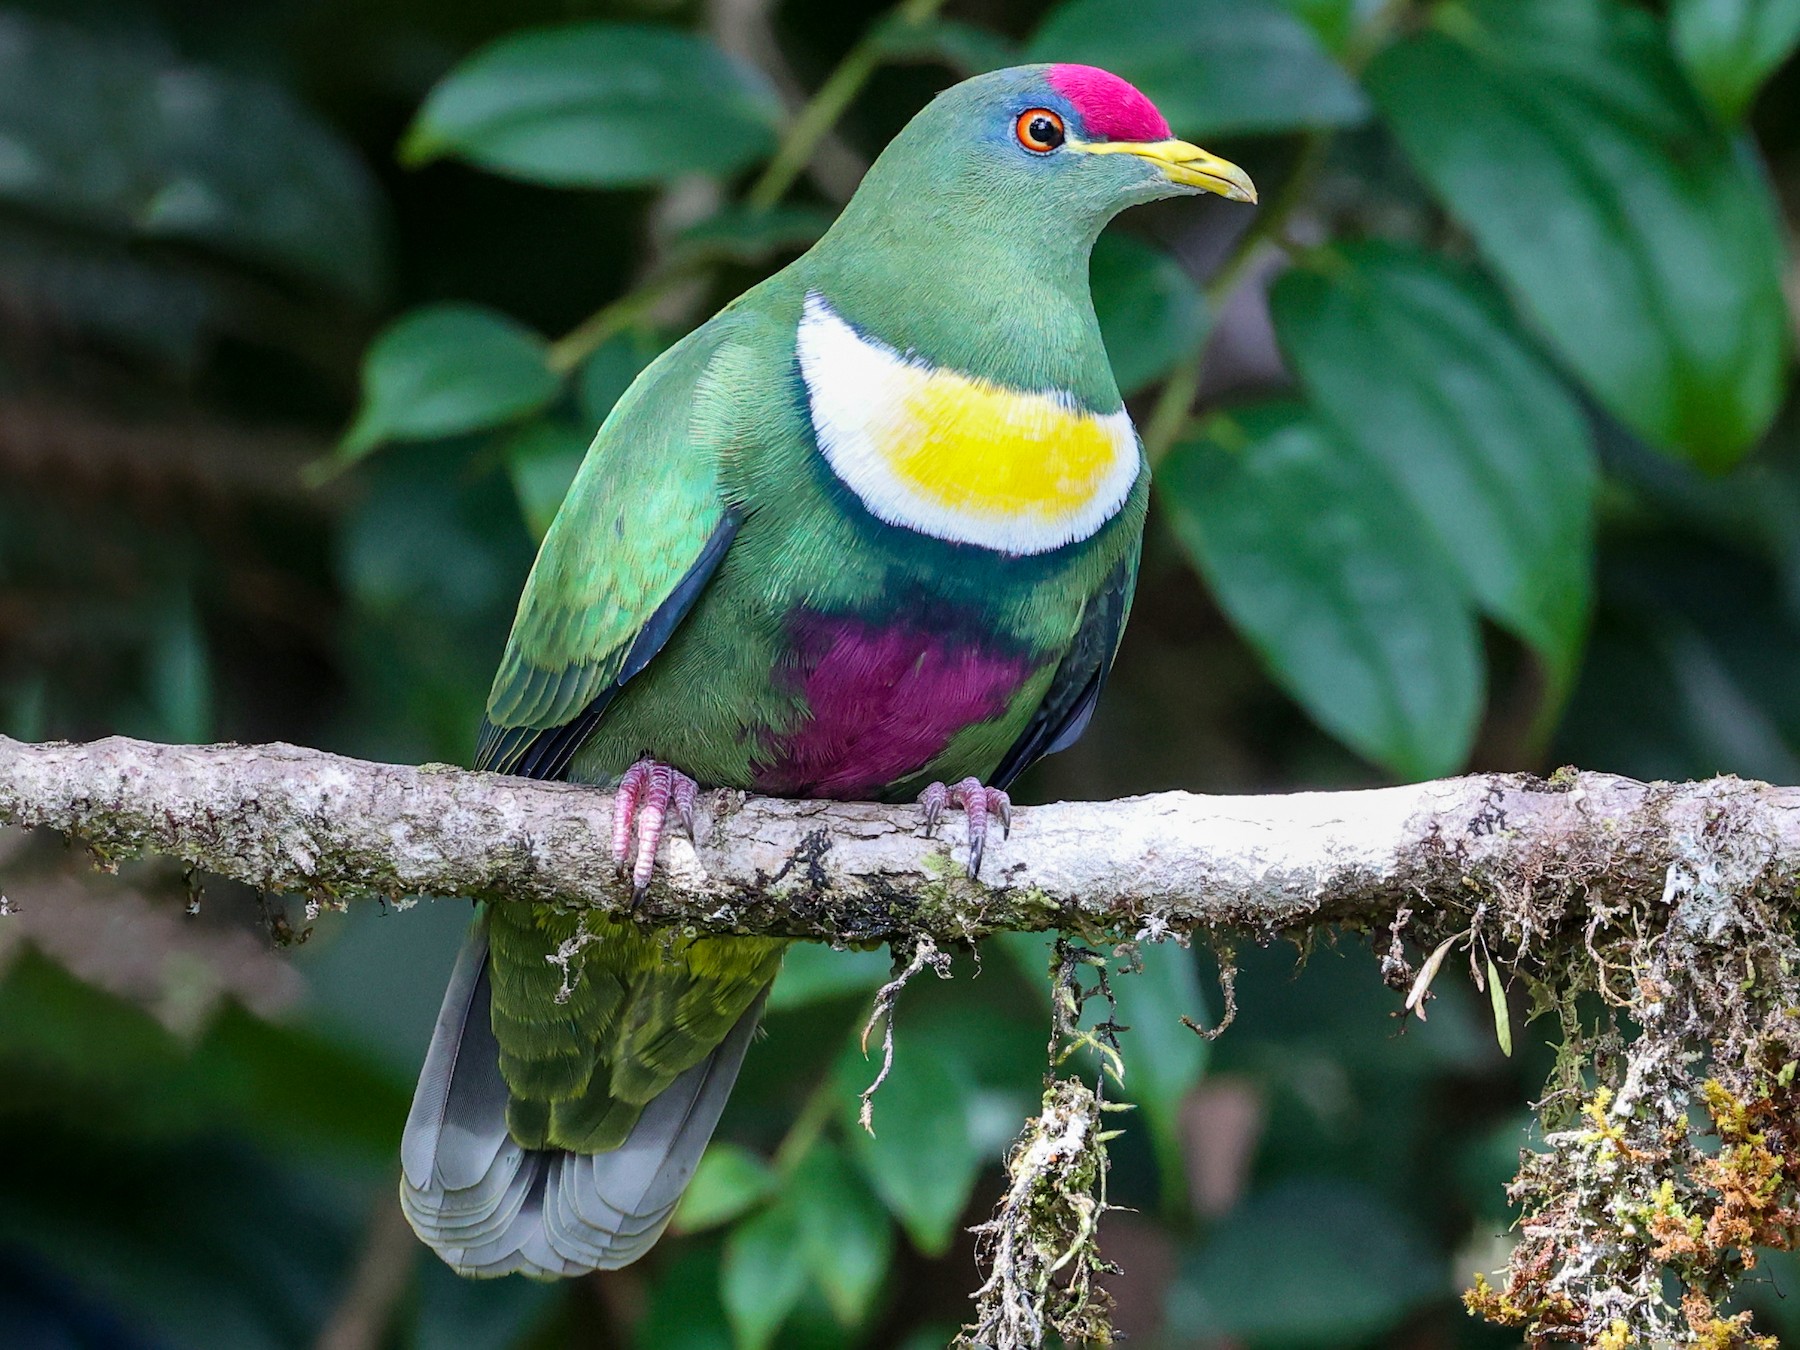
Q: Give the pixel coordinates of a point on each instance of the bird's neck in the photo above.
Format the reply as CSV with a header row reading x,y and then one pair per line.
x,y
966,290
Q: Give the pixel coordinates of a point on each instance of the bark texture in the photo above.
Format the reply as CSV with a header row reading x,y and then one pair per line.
x,y
288,819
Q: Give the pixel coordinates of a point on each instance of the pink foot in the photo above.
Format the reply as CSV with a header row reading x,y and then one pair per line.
x,y
978,804
646,793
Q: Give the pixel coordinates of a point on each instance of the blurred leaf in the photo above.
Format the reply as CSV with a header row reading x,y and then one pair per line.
x,y
966,48
1211,66
296,1089
196,1246
1163,1058
22,709
447,369
729,1181
922,1159
73,1050
1335,581
847,1234
812,972
1333,20
764,1274
1417,365
1151,312
1307,1263
1640,239
542,460
609,372
598,105
685,1312
118,134
1730,727
459,1314
412,546
1731,46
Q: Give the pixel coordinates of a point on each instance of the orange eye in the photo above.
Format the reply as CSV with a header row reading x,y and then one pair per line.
x,y
1039,130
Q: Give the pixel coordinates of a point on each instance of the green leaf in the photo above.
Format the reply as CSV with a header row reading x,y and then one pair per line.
x,y
542,461
848,1238
729,1181
922,1159
448,369
1335,581
598,105
1312,1262
1151,312
1211,66
1417,364
1730,47
117,137
764,1274
1635,235
811,973
1502,1015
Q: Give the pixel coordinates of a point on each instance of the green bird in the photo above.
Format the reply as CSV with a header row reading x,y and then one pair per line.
x,y
869,533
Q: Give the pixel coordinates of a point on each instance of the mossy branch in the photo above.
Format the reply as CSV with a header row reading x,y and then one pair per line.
x,y
287,819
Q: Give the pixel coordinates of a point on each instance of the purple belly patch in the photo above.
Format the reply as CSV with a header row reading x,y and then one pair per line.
x,y
884,699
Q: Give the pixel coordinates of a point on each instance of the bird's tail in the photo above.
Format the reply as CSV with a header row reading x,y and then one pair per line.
x,y
489,1206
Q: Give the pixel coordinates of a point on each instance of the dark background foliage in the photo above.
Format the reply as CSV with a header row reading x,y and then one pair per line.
x,y
1475,450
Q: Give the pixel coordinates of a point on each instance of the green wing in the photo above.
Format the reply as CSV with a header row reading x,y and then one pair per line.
x,y
643,527
645,524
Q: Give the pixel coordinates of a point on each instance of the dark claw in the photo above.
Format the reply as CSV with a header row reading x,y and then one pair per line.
x,y
978,804
934,799
686,790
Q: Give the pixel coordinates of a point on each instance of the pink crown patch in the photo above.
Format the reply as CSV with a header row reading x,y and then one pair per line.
x,y
1111,107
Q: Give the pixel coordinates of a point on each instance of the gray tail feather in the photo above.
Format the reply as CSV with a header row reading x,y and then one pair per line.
x,y
491,1207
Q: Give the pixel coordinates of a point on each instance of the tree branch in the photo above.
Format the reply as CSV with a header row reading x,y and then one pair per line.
x,y
288,819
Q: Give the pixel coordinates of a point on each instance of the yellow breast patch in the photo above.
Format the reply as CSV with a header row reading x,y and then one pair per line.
x,y
957,457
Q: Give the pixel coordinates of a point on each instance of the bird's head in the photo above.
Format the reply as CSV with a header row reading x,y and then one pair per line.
x,y
1074,143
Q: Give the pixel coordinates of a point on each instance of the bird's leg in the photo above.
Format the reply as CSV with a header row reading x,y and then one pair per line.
x,y
978,803
646,793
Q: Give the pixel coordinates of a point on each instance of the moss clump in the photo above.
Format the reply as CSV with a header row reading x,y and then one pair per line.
x,y
1672,1126
1042,1245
